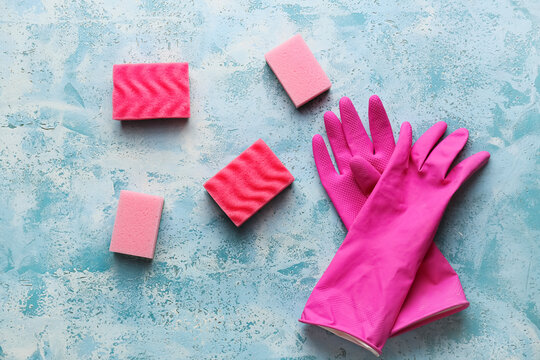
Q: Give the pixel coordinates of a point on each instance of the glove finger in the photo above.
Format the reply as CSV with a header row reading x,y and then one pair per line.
x,y
365,175
323,162
462,171
423,146
380,128
400,157
442,156
354,130
337,140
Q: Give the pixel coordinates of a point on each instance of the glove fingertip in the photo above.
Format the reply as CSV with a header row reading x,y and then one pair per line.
x,y
329,115
465,169
317,138
375,100
323,163
345,102
406,130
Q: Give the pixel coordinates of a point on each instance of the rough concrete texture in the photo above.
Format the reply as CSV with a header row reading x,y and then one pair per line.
x,y
215,291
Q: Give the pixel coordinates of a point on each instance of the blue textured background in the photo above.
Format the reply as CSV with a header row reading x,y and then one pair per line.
x,y
215,291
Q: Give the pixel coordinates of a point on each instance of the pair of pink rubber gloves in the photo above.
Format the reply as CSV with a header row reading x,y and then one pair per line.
x,y
388,276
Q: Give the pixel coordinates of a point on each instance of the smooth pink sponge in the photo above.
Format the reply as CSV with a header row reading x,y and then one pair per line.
x,y
137,224
150,91
248,182
298,70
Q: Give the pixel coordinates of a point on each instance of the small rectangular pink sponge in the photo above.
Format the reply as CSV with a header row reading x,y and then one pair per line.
x,y
150,91
298,70
248,182
137,224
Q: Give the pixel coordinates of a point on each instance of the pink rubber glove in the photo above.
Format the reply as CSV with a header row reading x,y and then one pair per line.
x,y
436,291
361,293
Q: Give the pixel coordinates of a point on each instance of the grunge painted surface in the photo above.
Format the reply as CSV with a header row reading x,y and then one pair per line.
x,y
215,291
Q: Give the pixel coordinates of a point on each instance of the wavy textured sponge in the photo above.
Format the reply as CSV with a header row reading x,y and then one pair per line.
x,y
150,91
248,182
137,224
298,70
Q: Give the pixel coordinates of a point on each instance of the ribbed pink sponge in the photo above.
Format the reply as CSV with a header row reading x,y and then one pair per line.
x,y
251,180
137,224
150,91
298,70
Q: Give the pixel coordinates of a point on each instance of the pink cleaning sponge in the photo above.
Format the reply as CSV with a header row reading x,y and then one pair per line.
x,y
136,225
248,182
149,91
298,70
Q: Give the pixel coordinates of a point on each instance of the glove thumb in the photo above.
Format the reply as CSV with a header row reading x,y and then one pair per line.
x,y
365,175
